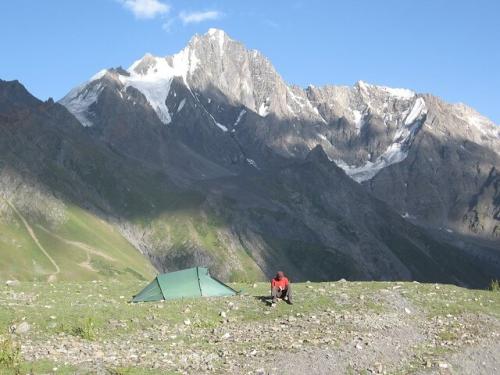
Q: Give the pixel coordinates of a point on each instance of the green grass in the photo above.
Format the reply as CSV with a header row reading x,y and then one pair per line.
x,y
178,233
100,311
440,300
10,355
111,255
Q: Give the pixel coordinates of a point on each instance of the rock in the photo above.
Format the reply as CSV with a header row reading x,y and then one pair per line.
x,y
378,367
444,365
231,306
225,336
12,283
187,322
407,310
260,371
22,328
254,286
223,314
359,346
342,280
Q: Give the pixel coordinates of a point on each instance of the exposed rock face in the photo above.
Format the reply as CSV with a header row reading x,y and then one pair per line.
x,y
229,105
208,157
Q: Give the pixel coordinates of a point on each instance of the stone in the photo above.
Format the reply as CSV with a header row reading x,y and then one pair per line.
x,y
407,310
223,314
187,322
22,328
12,283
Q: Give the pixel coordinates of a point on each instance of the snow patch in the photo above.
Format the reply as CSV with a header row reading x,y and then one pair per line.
x,y
181,105
79,100
322,137
264,108
396,152
219,36
154,82
397,93
358,120
416,111
99,75
240,116
221,127
252,163
151,75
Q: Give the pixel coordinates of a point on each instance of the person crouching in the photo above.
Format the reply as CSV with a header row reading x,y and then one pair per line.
x,y
281,288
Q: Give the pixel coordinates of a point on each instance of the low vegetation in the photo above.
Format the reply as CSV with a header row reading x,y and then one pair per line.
x,y
10,354
495,286
91,327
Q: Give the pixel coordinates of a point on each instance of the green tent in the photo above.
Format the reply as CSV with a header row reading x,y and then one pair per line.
x,y
191,282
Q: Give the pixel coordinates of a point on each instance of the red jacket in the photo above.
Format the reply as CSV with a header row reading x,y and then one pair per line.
x,y
283,283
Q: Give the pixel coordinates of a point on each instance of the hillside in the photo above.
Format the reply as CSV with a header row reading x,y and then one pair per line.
x,y
335,327
83,203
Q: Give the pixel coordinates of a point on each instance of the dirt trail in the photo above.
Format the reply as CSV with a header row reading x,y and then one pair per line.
x,y
53,276
89,249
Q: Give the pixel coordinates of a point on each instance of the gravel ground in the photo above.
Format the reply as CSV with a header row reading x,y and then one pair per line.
x,y
333,328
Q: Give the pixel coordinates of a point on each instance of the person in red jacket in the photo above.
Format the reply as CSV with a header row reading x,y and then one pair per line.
x,y
281,288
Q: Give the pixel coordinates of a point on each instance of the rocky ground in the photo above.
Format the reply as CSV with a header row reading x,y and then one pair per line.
x,y
332,328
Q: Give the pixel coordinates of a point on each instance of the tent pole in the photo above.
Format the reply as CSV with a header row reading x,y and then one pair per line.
x,y
199,282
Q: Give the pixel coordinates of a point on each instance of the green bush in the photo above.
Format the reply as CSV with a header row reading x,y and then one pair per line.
x,y
495,286
10,355
86,330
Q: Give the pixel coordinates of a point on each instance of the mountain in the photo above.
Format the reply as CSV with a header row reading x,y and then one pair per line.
x,y
53,197
433,162
209,157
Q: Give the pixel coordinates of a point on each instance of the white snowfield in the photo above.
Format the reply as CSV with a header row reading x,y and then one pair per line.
x,y
78,100
153,76
396,152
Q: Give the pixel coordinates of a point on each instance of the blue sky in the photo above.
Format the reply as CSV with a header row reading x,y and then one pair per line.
x,y
447,48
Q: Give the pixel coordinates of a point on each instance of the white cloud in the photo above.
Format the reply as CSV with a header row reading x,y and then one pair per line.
x,y
196,17
167,25
146,8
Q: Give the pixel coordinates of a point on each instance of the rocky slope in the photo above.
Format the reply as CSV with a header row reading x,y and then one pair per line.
x,y
431,161
208,157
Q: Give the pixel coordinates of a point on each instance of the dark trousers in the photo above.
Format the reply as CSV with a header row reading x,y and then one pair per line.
x,y
287,292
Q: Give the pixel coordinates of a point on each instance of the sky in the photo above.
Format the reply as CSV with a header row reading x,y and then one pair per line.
x,y
450,48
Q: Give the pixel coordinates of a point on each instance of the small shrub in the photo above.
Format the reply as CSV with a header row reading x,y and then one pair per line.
x,y
10,355
495,286
86,330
